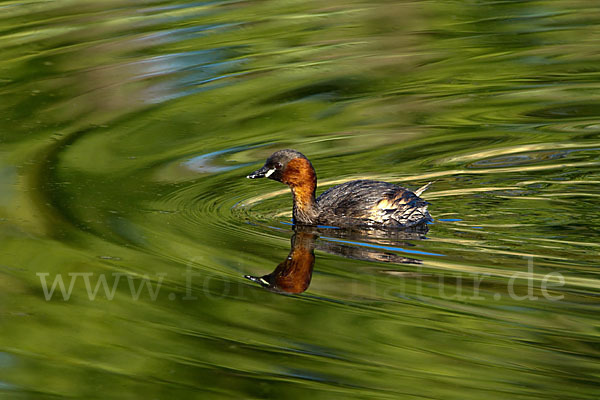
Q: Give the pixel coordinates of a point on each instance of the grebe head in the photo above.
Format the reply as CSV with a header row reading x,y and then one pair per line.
x,y
293,168
287,166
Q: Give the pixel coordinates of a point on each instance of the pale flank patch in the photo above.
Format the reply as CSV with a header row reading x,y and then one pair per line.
x,y
385,204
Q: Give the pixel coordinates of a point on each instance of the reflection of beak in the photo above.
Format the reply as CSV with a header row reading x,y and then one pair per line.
x,y
258,279
263,172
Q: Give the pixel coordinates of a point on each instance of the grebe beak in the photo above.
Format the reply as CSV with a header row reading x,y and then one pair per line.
x,y
263,172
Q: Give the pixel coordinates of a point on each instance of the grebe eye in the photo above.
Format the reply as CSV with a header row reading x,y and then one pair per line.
x,y
278,165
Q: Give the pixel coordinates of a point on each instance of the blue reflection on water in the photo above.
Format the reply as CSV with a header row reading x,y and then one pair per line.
x,y
377,246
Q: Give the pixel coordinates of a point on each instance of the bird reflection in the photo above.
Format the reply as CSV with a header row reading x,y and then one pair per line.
x,y
294,274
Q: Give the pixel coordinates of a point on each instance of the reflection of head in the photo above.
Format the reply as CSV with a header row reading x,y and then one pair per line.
x,y
292,275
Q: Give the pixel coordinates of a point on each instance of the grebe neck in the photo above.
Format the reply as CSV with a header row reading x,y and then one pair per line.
x,y
300,176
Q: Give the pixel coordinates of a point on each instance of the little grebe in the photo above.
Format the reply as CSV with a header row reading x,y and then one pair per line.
x,y
355,203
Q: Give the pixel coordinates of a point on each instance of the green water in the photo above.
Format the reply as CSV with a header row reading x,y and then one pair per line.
x,y
126,133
